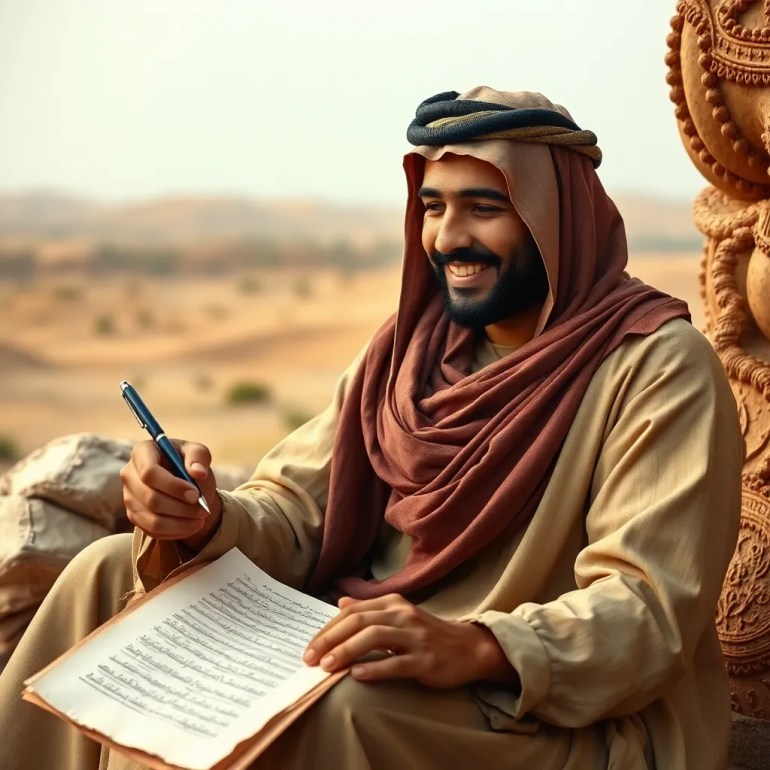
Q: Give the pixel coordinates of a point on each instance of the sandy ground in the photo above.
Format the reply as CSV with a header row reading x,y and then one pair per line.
x,y
66,343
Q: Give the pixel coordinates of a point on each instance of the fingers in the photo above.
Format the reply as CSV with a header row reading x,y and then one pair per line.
x,y
197,459
349,606
389,638
388,623
175,523
161,504
395,666
335,633
392,642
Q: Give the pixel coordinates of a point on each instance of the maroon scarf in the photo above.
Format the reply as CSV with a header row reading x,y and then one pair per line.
x,y
456,459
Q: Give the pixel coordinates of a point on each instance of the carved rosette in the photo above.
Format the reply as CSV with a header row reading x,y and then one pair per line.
x,y
719,73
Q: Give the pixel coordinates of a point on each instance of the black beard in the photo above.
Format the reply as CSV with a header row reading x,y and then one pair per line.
x,y
522,285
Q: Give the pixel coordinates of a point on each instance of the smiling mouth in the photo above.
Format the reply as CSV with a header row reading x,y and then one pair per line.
x,y
463,269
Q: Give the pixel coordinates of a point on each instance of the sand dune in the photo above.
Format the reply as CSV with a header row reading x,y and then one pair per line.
x,y
184,344
12,358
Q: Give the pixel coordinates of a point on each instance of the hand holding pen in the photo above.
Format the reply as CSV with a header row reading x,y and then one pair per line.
x,y
168,488
147,421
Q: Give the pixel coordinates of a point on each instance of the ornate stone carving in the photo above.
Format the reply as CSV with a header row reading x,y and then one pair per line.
x,y
742,611
758,277
719,73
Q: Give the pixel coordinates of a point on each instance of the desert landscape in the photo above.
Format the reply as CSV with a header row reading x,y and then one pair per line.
x,y
60,374
234,358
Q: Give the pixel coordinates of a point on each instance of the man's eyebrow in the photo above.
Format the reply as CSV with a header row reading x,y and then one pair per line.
x,y
467,192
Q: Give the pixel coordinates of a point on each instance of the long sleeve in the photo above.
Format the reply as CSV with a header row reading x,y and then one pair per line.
x,y
276,517
660,526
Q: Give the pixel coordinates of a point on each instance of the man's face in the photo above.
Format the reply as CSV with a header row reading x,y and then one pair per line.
x,y
484,257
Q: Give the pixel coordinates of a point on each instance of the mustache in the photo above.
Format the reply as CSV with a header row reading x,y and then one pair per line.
x,y
469,256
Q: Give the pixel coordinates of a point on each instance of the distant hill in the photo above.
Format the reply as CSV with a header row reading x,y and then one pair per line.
x,y
12,357
658,224
215,232
181,220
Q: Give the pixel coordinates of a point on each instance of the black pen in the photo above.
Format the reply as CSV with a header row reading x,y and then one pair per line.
x,y
152,426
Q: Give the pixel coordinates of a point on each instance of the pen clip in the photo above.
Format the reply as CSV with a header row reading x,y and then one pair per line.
x,y
133,411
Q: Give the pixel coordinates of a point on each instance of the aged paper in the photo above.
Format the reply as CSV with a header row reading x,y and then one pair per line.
x,y
197,669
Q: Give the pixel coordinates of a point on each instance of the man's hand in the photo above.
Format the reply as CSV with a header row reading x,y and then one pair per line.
x,y
164,506
438,653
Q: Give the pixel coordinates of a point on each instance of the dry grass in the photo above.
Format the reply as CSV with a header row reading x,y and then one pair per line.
x,y
184,343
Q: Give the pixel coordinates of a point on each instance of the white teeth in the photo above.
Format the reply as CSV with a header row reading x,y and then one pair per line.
x,y
462,270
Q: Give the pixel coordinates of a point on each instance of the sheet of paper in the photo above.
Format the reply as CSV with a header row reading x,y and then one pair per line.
x,y
196,670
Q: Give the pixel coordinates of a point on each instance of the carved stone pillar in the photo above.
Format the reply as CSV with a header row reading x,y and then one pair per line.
x,y
719,73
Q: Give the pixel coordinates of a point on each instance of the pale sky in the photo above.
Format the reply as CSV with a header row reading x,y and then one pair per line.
x,y
125,99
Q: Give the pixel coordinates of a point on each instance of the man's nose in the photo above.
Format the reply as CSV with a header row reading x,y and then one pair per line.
x,y
452,234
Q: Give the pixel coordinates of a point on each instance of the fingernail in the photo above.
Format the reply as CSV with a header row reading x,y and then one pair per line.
x,y
327,662
198,467
191,495
310,655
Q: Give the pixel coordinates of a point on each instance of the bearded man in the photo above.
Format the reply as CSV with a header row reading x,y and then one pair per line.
x,y
526,490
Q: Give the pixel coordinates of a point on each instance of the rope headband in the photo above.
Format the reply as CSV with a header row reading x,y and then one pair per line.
x,y
445,119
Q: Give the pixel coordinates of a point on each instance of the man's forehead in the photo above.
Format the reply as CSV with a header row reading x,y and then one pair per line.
x,y
452,173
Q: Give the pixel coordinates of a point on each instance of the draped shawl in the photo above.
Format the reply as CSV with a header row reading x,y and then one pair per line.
x,y
454,458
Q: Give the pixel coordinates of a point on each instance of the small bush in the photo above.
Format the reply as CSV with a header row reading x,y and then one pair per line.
x,y
303,288
145,318
8,449
248,393
249,285
104,324
67,293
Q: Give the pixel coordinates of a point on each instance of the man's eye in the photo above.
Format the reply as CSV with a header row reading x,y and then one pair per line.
x,y
483,209
434,206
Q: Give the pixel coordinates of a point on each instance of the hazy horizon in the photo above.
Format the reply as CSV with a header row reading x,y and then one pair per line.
x,y
123,102
255,197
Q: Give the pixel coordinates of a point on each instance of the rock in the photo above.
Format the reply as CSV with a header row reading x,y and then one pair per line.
x,y
749,744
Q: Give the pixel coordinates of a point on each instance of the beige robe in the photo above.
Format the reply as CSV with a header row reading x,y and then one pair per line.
x,y
604,605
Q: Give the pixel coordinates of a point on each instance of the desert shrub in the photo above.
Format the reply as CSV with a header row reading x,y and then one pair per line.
x,y
249,285
303,288
67,292
145,318
143,260
104,324
248,392
8,449
293,417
